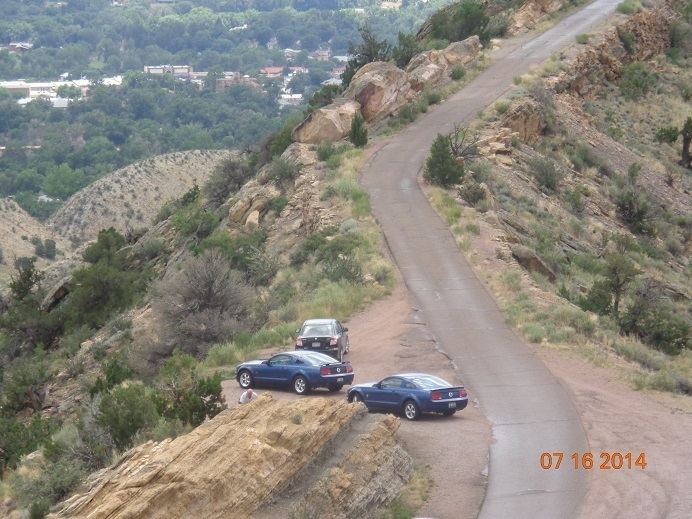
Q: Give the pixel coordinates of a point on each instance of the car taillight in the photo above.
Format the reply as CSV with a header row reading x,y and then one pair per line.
x,y
349,369
324,371
462,392
436,395
299,341
332,341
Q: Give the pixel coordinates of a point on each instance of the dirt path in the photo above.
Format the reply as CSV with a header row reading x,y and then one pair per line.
x,y
388,337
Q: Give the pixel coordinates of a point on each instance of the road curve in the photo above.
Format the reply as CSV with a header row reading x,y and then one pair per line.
x,y
530,411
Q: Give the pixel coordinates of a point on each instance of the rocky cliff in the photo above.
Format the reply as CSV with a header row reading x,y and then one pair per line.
x,y
380,89
245,457
602,62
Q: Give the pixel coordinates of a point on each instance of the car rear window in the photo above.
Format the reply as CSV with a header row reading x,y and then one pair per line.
x,y
317,359
316,330
429,382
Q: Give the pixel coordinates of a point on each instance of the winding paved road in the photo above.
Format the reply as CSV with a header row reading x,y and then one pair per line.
x,y
530,411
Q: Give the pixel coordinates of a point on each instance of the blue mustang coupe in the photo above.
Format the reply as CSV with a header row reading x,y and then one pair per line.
x,y
410,394
299,370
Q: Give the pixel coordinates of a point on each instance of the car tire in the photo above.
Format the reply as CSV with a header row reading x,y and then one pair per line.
x,y
340,355
410,410
348,346
300,385
449,413
333,388
245,379
355,397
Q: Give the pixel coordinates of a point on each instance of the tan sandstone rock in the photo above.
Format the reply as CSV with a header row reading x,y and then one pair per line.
x,y
329,123
526,118
243,458
429,67
252,197
533,11
380,88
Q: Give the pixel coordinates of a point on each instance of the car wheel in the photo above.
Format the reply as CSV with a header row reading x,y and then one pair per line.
x,y
341,355
411,410
300,385
449,413
355,397
245,379
333,388
348,346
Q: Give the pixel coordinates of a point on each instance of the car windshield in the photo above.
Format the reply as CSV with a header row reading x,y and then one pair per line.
x,y
316,330
317,359
429,382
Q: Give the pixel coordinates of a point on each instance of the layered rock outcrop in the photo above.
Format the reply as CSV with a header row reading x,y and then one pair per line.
x,y
329,123
232,465
380,89
526,118
532,12
252,199
603,62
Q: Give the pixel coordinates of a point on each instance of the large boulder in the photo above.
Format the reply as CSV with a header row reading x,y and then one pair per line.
x,y
329,123
248,457
526,118
429,67
252,197
381,88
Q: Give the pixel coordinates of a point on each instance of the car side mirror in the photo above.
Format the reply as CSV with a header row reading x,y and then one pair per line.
x,y
265,362
378,385
345,329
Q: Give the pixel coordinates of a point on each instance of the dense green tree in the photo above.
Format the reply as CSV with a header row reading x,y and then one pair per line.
x,y
441,167
358,134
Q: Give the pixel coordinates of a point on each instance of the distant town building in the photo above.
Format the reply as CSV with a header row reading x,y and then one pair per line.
x,y
331,81
49,89
290,99
272,72
337,71
291,53
321,54
17,47
179,71
341,58
230,79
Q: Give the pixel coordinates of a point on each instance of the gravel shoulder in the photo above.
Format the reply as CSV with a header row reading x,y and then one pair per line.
x,y
390,337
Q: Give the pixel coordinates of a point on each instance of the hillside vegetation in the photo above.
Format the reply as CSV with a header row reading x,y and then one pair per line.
x,y
583,182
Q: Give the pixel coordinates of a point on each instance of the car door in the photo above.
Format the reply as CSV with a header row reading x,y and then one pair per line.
x,y
389,393
276,369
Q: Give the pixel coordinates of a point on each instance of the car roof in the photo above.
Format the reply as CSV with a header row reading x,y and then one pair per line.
x,y
318,321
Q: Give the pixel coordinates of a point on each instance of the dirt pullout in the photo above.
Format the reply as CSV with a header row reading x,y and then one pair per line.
x,y
618,419
388,338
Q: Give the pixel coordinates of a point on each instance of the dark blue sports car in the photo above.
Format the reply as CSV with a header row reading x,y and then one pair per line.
x,y
299,370
411,394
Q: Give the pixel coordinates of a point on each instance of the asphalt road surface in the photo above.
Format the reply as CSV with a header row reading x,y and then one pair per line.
x,y
529,409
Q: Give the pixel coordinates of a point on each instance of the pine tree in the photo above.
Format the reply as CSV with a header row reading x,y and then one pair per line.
x,y
441,168
359,133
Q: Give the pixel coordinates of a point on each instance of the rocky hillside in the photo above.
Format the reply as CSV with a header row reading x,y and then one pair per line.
x,y
313,457
20,235
581,190
130,198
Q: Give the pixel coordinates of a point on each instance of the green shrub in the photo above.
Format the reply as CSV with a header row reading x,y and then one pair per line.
x,y
472,192
344,268
574,199
24,384
358,134
126,410
195,222
636,81
20,438
633,206
334,162
283,170
51,484
497,26
458,73
115,371
325,150
106,247
151,248
583,39
667,134
228,177
433,98
277,204
501,107
629,7
183,395
546,173
582,157
465,19
407,47
441,167
629,41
